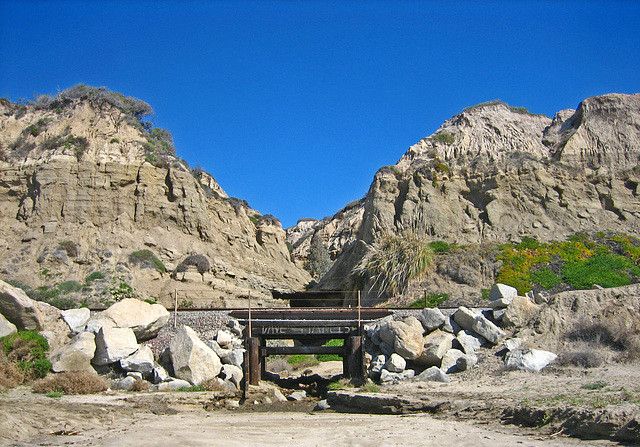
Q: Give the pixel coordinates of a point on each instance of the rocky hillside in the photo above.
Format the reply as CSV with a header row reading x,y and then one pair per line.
x,y
94,206
493,174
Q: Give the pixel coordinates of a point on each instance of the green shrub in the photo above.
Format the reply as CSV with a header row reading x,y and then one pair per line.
x,y
431,300
444,137
331,357
94,276
302,360
319,260
27,349
440,246
147,259
63,303
606,271
545,277
528,243
69,287
120,290
69,247
192,388
597,385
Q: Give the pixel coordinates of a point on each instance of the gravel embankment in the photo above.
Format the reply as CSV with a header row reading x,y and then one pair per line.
x,y
205,323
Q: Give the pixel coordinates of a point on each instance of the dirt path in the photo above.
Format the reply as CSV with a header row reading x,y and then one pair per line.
x,y
116,422
473,414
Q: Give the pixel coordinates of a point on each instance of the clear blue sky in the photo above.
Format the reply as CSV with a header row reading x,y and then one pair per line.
x,y
294,105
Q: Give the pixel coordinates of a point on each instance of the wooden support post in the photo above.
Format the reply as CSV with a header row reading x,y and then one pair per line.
x,y
354,355
254,360
175,310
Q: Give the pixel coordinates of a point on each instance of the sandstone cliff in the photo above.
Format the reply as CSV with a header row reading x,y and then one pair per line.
x,y
496,173
87,188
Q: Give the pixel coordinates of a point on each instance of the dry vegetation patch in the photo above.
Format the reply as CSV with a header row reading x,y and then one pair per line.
x,y
79,382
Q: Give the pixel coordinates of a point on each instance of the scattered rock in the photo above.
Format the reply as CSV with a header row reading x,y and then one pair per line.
x,y
173,385
322,405
448,364
232,373
520,312
298,395
406,339
469,341
466,362
499,291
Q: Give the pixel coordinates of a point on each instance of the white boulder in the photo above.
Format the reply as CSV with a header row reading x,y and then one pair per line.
x,y
532,360
193,360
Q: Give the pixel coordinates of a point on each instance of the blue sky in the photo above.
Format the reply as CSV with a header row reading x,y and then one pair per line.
x,y
294,105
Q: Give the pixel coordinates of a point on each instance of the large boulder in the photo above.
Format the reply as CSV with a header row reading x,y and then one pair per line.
x,y
431,319
404,336
479,324
433,374
76,318
435,346
193,360
500,291
469,341
76,355
114,344
520,312
6,327
233,374
532,360
449,360
395,363
143,318
18,308
141,361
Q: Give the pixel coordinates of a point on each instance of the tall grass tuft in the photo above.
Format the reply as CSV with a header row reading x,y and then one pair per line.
x,y
396,259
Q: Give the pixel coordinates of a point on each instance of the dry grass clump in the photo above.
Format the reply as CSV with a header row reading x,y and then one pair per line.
x,y
213,385
613,334
584,359
140,385
77,382
10,374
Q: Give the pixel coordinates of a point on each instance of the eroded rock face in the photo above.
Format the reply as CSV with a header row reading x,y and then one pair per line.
x,y
72,211
494,173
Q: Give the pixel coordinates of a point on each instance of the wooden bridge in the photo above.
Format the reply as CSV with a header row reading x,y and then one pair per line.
x,y
306,326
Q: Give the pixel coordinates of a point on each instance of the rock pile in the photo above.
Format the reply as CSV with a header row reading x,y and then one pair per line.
x,y
439,345
110,343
